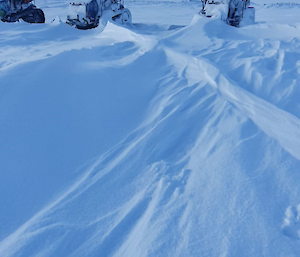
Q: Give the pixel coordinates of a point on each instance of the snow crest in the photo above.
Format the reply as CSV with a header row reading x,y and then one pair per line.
x,y
152,139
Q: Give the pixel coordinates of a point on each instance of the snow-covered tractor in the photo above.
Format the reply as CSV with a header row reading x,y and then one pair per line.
x,y
233,12
14,10
88,15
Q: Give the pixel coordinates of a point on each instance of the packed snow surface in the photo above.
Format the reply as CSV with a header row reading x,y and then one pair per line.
x,y
175,136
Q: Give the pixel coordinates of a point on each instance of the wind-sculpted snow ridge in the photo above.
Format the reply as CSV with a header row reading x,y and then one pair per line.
x,y
190,139
58,38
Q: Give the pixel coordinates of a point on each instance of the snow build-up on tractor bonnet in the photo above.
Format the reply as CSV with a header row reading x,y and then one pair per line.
x,y
14,10
88,15
233,12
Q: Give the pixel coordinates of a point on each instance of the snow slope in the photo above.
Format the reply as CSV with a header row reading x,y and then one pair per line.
x,y
176,136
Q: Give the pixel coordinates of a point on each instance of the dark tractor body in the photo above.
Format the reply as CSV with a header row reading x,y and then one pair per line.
x,y
14,10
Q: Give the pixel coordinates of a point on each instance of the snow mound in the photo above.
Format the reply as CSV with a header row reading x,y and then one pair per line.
x,y
150,140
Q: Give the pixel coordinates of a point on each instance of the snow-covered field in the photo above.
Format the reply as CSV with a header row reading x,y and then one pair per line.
x,y
177,136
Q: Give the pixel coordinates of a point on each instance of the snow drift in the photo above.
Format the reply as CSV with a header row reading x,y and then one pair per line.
x,y
150,140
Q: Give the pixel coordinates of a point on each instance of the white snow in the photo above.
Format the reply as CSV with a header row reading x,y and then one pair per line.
x,y
176,136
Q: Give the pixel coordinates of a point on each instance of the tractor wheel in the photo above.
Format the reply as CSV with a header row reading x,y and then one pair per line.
x,y
126,17
34,16
38,16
